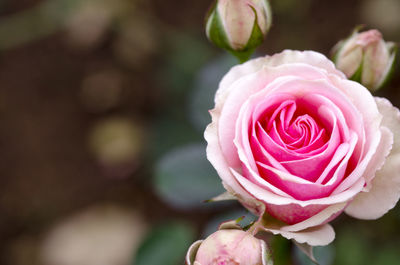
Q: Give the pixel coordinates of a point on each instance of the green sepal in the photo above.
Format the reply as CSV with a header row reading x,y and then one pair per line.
x,y
393,58
226,196
306,249
191,254
256,38
242,56
215,30
217,35
232,224
338,47
358,74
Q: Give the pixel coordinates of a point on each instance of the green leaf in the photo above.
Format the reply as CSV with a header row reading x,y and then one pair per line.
x,y
281,247
185,179
183,56
35,23
323,254
169,132
389,255
166,245
205,85
306,249
351,248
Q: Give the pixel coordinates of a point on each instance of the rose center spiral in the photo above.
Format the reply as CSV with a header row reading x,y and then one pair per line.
x,y
292,127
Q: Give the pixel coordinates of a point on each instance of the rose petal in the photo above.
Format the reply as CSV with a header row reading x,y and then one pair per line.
x,y
321,216
267,196
385,187
384,193
241,91
315,236
284,61
391,120
216,158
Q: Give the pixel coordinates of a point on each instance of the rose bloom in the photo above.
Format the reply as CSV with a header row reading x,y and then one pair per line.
x,y
296,142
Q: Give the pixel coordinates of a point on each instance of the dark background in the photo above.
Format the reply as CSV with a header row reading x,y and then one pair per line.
x,y
95,94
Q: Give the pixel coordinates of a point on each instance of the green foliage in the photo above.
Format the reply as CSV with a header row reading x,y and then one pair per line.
x,y
216,32
358,74
166,245
323,254
169,132
351,249
256,38
387,256
184,178
213,224
37,22
280,248
205,85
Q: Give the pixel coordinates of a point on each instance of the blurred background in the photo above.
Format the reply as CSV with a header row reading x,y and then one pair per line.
x,y
103,104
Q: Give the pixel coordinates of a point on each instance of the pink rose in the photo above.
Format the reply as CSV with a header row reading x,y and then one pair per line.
x,y
292,138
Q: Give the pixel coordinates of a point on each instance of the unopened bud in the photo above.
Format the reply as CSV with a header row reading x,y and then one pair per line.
x,y
366,58
229,247
238,26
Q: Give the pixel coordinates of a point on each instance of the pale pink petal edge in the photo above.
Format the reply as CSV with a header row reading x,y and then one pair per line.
x,y
315,236
287,56
385,187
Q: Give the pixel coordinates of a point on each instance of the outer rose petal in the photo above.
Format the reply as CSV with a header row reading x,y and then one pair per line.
x,y
286,57
385,187
313,231
216,158
391,120
314,236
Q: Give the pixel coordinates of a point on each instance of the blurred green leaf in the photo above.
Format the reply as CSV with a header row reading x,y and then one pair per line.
x,y
184,178
166,245
34,23
351,249
306,249
213,225
281,247
396,210
205,86
389,255
169,132
184,56
324,255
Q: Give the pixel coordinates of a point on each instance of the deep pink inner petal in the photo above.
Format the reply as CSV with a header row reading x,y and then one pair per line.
x,y
299,135
302,141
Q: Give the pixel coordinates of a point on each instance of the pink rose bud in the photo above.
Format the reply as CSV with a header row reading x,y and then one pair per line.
x,y
229,247
238,26
366,58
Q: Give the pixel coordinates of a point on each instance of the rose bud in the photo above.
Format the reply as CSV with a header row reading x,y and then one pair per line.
x,y
231,246
366,58
238,26
297,143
